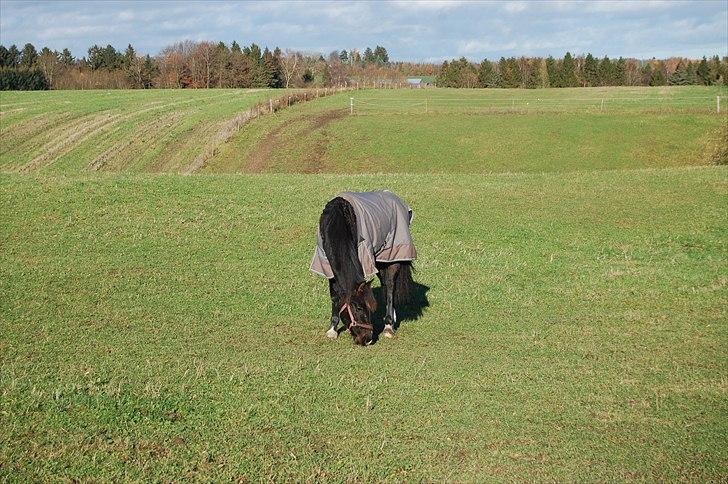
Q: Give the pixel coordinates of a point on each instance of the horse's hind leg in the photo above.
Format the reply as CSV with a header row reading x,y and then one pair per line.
x,y
387,280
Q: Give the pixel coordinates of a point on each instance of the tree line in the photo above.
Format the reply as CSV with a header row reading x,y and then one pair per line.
x,y
582,71
191,64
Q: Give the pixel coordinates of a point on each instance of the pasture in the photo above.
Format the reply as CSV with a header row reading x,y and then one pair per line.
x,y
162,327
140,130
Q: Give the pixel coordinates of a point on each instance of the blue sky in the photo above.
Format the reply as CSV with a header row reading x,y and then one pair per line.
x,y
428,30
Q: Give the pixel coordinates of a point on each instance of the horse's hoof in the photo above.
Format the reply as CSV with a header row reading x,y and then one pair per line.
x,y
388,331
331,333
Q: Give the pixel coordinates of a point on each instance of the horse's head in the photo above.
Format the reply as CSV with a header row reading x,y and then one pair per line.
x,y
356,313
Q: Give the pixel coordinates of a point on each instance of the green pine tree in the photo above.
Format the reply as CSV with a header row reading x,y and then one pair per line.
x,y
368,56
568,72
487,75
590,71
4,56
619,72
66,58
552,72
703,73
658,75
13,56
28,55
605,72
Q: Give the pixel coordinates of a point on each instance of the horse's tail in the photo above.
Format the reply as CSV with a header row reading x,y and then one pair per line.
x,y
403,283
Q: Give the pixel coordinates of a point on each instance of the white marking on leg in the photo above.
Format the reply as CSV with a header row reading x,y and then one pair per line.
x,y
388,331
331,333
394,314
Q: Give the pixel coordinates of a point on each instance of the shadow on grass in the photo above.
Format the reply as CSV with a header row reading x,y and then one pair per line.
x,y
412,311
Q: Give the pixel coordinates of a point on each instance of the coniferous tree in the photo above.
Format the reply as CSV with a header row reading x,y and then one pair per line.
x,y
590,71
13,56
534,74
368,56
646,74
150,70
278,77
380,55
66,58
679,77
619,72
442,78
95,58
129,56
605,72
691,73
553,72
510,72
568,72
112,58
4,56
658,75
344,57
235,47
28,55
715,71
703,73
487,75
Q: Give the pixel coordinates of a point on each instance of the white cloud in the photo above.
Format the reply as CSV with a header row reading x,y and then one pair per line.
x,y
471,47
432,5
515,7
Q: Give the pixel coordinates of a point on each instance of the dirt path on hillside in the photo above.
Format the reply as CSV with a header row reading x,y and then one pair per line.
x,y
275,141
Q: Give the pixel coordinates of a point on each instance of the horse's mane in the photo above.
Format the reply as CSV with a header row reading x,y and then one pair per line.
x,y
339,234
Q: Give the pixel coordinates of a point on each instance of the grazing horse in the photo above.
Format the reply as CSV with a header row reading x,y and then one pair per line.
x,y
361,234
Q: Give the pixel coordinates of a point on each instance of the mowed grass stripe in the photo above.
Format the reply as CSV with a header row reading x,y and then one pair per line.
x,y
165,327
76,145
191,109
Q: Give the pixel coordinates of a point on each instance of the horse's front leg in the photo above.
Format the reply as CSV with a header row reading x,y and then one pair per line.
x,y
332,333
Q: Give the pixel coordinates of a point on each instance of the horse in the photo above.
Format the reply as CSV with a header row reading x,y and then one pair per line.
x,y
361,234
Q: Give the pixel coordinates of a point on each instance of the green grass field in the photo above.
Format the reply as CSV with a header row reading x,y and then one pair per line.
x,y
163,327
478,131
76,131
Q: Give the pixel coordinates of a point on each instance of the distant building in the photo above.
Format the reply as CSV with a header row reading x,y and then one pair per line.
x,y
421,81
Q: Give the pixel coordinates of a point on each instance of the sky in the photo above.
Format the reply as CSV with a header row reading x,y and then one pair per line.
x,y
421,31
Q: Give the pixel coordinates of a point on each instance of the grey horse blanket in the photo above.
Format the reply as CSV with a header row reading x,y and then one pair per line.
x,y
383,221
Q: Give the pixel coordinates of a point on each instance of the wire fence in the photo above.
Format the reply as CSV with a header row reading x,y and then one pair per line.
x,y
417,106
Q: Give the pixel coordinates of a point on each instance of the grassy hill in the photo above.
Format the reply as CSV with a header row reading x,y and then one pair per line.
x,y
402,131
481,131
120,131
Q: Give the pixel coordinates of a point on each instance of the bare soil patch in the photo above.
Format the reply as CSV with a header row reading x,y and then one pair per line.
x,y
275,141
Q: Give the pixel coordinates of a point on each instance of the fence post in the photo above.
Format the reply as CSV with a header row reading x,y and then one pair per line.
x,y
270,104
351,105
601,108
717,104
